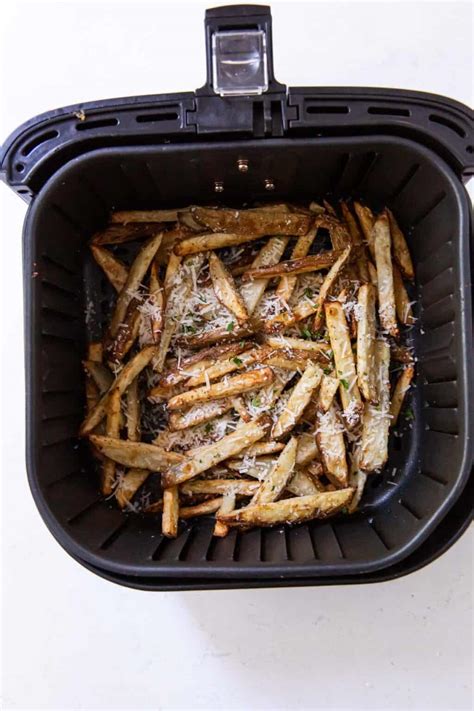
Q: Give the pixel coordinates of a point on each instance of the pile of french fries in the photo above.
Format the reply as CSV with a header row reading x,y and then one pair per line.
x,y
247,360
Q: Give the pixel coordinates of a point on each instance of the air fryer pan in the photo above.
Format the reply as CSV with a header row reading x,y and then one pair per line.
x,y
408,150
428,465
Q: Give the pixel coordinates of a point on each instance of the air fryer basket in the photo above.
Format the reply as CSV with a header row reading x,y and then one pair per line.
x,y
308,149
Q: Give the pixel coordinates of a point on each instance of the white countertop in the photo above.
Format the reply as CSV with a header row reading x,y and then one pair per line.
x,y
75,641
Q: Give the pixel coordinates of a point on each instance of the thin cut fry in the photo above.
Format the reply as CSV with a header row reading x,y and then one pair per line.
x,y
401,389
307,449
366,342
211,240
401,253
199,414
228,504
127,216
287,284
203,509
133,412
100,374
269,255
327,391
251,380
383,262
169,520
344,359
219,335
260,448
154,308
376,420
254,221
192,366
225,289
240,487
239,406
298,400
126,376
330,439
112,429
295,510
136,454
228,364
114,270
128,486
118,234
298,344
274,483
313,263
327,284
206,457
366,221
402,302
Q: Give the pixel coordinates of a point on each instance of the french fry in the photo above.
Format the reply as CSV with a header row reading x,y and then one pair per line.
x,y
225,289
251,380
203,509
376,420
276,480
186,220
119,234
358,480
300,484
287,284
344,359
135,276
329,209
136,455
196,364
366,343
401,253
169,521
295,510
383,263
125,217
290,360
297,402
114,270
239,487
199,414
112,429
211,240
118,346
208,456
327,391
100,374
239,406
402,302
153,309
133,412
366,221
126,376
307,449
261,448
269,255
218,335
327,284
254,221
128,486
330,439
313,263
94,351
401,388
298,344
372,275
401,354
228,505
228,364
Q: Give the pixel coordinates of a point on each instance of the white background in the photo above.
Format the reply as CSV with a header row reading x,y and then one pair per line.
x,y
74,641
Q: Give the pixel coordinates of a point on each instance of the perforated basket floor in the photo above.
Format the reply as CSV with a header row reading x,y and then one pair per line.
x,y
427,467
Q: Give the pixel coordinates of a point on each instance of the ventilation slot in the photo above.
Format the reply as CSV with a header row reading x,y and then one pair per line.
x,y
443,121
157,118
387,111
407,179
99,123
42,138
410,509
439,198
112,537
327,109
79,515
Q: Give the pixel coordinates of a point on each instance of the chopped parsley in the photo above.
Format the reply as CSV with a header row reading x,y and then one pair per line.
x,y
308,292
242,344
256,401
306,333
327,371
189,329
237,361
230,326
344,383
208,428
409,414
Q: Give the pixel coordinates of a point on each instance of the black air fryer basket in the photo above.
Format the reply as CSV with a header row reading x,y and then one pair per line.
x,y
408,150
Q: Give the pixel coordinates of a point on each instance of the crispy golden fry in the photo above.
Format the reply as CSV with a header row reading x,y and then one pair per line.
x,y
357,241
218,335
206,507
228,505
125,217
344,359
301,484
225,289
401,389
207,457
112,429
239,406
290,360
136,455
401,253
313,263
330,439
117,347
254,221
295,510
261,448
126,376
269,255
186,220
153,508
133,412
169,521
352,226
134,279
298,344
114,270
211,240
376,420
287,284
239,487
118,234
256,467
196,364
316,208
298,400
128,486
276,480
199,414
401,354
251,380
327,391
366,342
372,275
358,479
153,308
100,374
366,221
94,351
329,209
228,364
402,302
327,285
307,449
383,262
